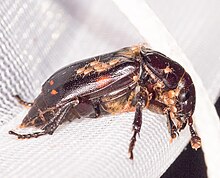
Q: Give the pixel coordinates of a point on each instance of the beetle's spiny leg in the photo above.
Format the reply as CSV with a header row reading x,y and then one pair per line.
x,y
22,102
136,124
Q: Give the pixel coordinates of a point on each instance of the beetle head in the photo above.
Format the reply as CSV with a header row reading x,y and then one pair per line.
x,y
162,67
173,77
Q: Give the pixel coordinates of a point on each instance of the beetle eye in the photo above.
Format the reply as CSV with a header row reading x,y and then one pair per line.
x,y
184,95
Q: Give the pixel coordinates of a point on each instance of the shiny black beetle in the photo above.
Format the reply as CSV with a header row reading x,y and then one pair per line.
x,y
130,79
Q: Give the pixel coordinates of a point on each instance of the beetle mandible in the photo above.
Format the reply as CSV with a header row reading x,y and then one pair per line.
x,y
130,79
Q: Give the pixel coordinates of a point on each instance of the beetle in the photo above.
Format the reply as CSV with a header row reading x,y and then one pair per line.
x,y
128,80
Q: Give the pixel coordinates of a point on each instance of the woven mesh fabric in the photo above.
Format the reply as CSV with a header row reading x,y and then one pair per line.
x,y
36,39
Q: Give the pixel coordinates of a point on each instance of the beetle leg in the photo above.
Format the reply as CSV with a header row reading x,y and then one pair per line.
x,y
195,139
50,127
54,123
137,123
171,127
97,110
24,136
183,126
136,128
22,102
72,114
161,107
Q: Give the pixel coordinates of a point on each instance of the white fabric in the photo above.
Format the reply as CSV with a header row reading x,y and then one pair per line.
x,y
39,37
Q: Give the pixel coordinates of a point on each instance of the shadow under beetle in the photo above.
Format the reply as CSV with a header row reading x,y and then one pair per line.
x,y
127,80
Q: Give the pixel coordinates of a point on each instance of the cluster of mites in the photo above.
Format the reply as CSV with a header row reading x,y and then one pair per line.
x,y
168,98
97,66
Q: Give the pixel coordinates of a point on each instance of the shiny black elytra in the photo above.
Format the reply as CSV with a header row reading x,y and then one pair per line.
x,y
127,80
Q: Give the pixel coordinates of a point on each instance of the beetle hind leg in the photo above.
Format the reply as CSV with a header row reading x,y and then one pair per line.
x,y
24,136
50,127
22,102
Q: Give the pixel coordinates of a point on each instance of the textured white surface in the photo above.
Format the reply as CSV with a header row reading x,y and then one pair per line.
x,y
37,38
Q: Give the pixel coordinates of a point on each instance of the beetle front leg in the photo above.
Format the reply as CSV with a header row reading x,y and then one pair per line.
x,y
195,139
137,123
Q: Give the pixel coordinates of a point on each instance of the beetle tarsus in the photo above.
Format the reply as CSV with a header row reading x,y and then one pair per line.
x,y
22,102
136,124
27,136
131,146
195,139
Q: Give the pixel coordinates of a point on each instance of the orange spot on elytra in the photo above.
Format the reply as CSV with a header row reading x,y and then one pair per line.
x,y
103,81
51,82
53,92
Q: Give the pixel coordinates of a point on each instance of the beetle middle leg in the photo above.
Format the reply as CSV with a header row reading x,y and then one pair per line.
x,y
22,102
159,107
141,102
